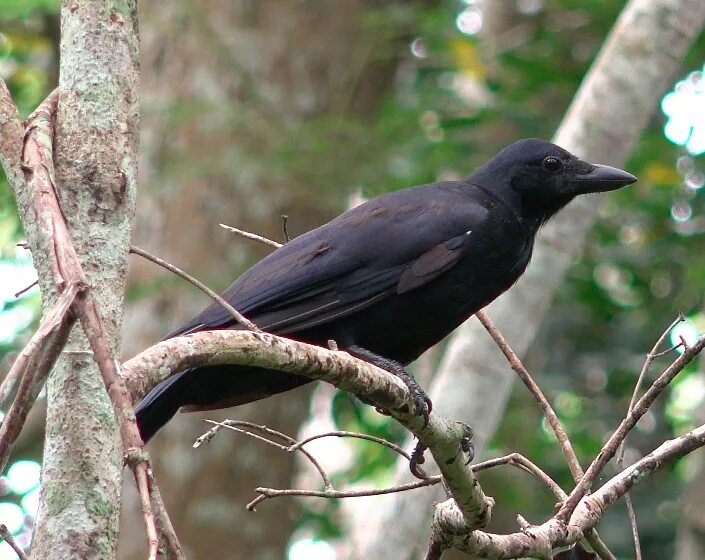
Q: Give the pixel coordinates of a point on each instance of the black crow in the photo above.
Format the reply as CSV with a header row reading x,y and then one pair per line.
x,y
389,278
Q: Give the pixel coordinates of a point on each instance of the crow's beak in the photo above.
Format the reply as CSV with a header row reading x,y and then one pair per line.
x,y
602,178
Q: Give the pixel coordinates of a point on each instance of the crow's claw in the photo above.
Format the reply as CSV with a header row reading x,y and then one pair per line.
x,y
468,448
422,404
417,459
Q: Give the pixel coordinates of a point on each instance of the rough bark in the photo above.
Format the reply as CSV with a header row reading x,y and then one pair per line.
x,y
96,170
612,107
226,85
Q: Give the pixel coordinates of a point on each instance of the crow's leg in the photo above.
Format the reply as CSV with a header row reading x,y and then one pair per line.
x,y
422,404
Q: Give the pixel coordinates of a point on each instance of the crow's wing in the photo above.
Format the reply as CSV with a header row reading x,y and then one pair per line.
x,y
394,243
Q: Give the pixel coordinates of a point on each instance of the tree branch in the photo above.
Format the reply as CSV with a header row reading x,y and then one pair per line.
x,y
234,313
443,437
11,131
609,449
546,408
32,367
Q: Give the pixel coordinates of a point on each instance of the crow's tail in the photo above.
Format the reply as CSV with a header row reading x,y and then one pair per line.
x,y
161,403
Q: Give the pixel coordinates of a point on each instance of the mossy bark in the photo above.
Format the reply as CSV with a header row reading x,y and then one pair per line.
x,y
95,157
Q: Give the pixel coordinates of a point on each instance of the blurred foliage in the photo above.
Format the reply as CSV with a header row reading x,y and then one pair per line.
x,y
457,100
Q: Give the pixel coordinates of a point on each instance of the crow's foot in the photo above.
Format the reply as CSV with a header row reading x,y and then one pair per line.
x,y
422,403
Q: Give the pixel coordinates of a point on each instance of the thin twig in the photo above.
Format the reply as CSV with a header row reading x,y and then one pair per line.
x,y
48,324
341,433
238,425
27,289
7,535
337,494
548,412
650,357
167,532
32,367
252,236
576,470
234,313
609,449
137,460
521,462
598,546
285,222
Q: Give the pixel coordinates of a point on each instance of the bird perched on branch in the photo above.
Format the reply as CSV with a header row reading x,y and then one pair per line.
x,y
389,278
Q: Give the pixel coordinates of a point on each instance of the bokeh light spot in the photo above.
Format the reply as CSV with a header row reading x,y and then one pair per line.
x,y
687,330
12,516
418,48
469,21
311,549
681,211
23,476
685,108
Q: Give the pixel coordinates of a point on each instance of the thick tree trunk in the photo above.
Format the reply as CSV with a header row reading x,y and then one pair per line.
x,y
612,107
229,86
96,167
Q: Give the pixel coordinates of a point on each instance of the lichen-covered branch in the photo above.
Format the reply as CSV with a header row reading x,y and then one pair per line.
x,y
539,541
443,437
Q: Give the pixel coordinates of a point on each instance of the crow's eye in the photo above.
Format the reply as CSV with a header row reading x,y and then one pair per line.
x,y
552,164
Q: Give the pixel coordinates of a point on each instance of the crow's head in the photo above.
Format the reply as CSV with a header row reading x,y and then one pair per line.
x,y
537,178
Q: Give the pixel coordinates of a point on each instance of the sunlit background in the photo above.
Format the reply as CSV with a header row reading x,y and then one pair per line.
x,y
662,214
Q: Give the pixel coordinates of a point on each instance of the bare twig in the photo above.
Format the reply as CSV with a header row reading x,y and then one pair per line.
x,y
336,494
27,289
341,433
576,470
548,412
285,230
234,313
537,542
167,532
252,236
610,447
138,461
32,367
47,325
650,357
514,459
7,535
238,425
521,462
